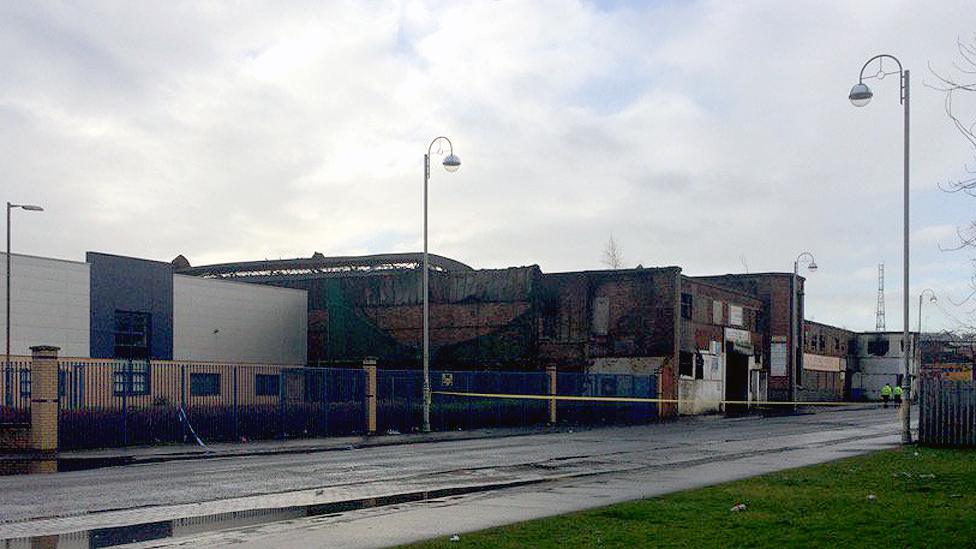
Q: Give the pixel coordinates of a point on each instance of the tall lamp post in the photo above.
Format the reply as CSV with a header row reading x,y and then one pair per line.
x,y
918,344
796,349
451,163
860,96
8,375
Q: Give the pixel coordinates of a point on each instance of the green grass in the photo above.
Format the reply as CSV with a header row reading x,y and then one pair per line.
x,y
926,499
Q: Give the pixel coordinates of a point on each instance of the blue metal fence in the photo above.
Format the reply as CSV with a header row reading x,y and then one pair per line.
x,y
606,385
105,403
400,404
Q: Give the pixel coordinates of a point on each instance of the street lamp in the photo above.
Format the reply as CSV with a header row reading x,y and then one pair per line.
x,y
796,349
860,96
918,344
451,163
8,375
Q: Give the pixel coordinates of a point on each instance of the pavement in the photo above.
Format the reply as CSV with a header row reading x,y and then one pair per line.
x,y
358,497
131,455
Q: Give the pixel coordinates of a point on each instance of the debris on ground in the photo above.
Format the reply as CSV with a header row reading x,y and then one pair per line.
x,y
927,475
392,432
738,507
455,537
872,497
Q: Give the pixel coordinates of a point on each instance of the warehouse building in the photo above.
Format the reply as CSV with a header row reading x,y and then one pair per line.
x,y
122,307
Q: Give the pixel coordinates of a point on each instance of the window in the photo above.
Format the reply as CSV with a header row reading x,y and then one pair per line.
x,y
132,335
686,305
204,384
130,378
686,364
878,347
266,385
25,382
699,366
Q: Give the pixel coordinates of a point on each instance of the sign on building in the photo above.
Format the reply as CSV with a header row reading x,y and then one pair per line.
x,y
741,340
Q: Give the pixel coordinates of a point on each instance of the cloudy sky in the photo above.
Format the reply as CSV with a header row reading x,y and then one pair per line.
x,y
713,135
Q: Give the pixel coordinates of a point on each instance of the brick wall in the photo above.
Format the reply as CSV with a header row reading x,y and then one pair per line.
x,y
774,291
826,340
599,314
702,329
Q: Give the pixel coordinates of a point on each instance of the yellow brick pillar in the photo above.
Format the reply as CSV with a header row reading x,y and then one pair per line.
x,y
551,375
369,365
44,399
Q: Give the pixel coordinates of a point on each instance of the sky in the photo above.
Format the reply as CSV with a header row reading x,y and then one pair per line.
x,y
712,135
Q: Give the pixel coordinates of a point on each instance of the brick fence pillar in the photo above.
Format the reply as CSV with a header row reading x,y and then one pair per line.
x,y
369,365
551,376
44,399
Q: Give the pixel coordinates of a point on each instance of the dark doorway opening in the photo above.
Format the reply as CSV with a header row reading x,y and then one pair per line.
x,y
736,382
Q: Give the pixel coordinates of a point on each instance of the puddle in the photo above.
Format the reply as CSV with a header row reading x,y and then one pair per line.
x,y
183,527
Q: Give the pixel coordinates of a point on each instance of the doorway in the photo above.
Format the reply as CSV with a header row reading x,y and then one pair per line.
x,y
736,382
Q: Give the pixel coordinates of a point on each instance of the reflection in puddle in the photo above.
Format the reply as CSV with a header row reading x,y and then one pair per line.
x,y
27,465
182,527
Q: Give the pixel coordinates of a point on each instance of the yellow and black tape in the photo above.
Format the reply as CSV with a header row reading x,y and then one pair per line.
x,y
646,400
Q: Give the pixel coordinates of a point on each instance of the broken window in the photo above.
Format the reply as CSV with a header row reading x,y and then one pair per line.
x,y
686,305
878,347
686,366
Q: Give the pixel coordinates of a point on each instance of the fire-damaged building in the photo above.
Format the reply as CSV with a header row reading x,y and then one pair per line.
x,y
703,340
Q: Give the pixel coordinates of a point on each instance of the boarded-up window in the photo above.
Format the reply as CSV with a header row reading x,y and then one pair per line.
x,y
718,312
601,316
777,359
735,315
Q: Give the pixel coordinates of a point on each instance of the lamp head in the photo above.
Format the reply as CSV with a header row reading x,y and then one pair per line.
x,y
860,95
32,208
812,267
933,299
452,163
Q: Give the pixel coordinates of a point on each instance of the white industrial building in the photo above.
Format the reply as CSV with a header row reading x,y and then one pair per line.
x,y
88,308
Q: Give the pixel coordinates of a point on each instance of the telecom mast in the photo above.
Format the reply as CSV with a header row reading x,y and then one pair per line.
x,y
879,324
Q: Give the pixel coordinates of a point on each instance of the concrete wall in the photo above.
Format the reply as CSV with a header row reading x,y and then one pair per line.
x,y
135,285
223,321
698,396
873,370
49,305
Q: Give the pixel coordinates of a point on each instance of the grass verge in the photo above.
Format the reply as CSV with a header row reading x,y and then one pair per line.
x,y
922,498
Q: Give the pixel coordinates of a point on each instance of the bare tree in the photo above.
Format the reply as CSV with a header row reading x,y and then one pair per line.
x,y
612,257
961,80
956,86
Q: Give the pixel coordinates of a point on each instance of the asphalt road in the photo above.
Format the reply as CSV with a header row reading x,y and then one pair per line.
x,y
655,459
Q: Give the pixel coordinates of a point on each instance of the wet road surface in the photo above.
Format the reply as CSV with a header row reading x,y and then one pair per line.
x,y
554,473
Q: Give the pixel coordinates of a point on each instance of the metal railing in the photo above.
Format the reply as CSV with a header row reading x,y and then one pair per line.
x,y
109,403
